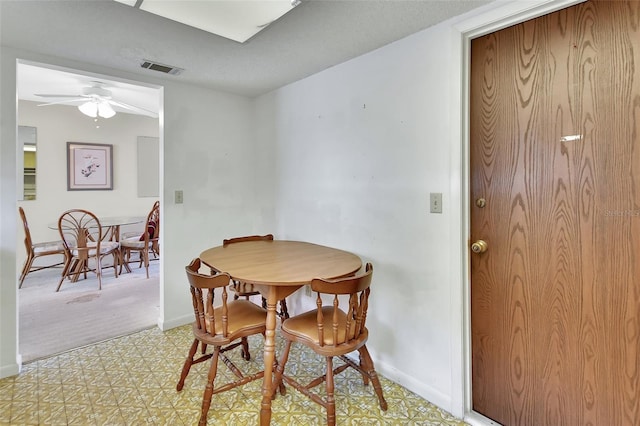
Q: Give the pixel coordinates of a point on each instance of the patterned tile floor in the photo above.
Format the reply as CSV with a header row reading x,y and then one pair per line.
x,y
131,381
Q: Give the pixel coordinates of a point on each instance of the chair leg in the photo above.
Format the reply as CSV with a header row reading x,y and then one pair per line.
x,y
26,268
246,355
280,386
280,369
98,272
187,365
126,259
85,267
331,401
65,272
284,312
76,268
123,257
145,254
367,363
60,282
117,258
208,390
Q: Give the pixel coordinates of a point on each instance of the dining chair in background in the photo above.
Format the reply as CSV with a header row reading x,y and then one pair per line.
x,y
332,331
222,327
154,247
245,290
145,244
36,250
82,236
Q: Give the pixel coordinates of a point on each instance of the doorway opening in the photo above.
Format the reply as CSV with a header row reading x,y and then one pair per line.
x,y
56,103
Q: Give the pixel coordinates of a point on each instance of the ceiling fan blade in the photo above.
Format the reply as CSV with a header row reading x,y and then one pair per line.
x,y
133,108
66,101
51,95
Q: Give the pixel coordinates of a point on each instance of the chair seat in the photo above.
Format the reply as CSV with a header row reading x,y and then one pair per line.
x,y
132,242
246,318
131,234
305,326
105,247
48,246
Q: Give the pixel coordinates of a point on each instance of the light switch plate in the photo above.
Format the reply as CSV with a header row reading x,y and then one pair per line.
x,y
178,197
435,201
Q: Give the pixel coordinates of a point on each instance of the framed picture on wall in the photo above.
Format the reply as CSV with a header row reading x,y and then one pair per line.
x,y
89,166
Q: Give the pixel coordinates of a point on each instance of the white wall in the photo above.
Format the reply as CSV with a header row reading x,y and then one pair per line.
x,y
56,125
360,147
210,154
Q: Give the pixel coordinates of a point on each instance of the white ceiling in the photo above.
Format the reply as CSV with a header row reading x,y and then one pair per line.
x,y
35,80
315,35
237,20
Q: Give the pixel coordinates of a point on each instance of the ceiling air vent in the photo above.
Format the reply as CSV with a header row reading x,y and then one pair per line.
x,y
167,69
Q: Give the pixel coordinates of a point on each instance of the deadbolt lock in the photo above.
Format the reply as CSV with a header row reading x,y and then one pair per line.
x,y
481,202
479,246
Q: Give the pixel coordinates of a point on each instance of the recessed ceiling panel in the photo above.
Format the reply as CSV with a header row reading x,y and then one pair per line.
x,y
238,20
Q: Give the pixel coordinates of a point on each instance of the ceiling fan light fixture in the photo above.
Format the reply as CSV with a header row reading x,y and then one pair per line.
x,y
89,108
95,108
105,110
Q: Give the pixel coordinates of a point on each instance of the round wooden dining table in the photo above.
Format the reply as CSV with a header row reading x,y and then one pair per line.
x,y
277,269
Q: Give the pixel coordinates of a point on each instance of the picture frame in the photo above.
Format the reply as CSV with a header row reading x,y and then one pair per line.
x,y
89,166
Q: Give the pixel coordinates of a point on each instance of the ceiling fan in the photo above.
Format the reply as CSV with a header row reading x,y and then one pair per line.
x,y
95,101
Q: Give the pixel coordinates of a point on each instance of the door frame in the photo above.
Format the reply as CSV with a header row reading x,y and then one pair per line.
x,y
494,18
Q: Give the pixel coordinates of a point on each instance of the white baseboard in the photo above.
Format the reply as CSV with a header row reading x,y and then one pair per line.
x,y
477,419
425,391
9,370
165,324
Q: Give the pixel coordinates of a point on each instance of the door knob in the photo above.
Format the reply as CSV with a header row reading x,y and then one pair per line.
x,y
479,246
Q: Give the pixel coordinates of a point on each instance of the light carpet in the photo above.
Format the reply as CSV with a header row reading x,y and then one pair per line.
x,y
80,314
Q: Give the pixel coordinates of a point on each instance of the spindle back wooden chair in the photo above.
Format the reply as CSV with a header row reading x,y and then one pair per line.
x,y
333,331
223,327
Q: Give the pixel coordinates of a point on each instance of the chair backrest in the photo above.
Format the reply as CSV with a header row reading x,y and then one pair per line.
x,y
153,224
203,294
28,243
268,237
80,230
351,327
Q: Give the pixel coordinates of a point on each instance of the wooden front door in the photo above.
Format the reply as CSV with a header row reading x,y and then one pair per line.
x,y
555,154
